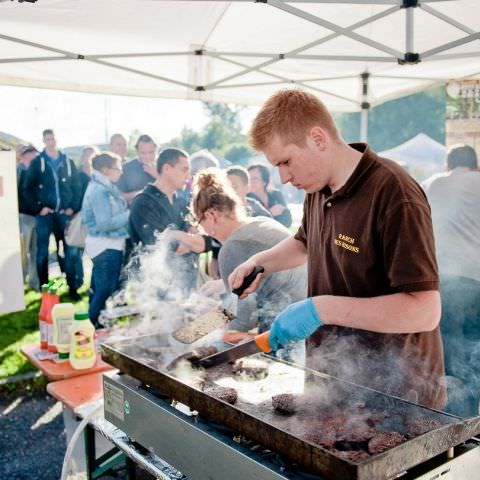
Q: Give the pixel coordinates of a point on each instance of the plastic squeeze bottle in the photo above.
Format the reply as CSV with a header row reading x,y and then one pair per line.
x,y
54,299
42,318
82,344
62,317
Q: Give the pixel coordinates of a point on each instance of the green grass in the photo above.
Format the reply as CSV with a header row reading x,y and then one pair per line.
x,y
20,328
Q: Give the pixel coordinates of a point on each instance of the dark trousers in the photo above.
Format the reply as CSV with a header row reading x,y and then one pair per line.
x,y
77,261
105,280
46,225
460,327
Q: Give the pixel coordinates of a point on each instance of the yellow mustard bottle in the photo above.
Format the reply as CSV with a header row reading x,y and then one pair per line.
x,y
62,318
82,342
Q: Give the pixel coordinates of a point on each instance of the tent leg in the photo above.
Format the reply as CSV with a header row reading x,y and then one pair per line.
x,y
365,108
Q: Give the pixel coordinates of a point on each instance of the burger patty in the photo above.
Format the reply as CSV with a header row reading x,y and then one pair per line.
x,y
384,440
285,403
226,394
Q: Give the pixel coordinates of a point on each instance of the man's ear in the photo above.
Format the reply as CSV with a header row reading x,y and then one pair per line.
x,y
319,137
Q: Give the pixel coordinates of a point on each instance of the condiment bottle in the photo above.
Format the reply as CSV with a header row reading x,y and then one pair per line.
x,y
54,299
62,317
82,343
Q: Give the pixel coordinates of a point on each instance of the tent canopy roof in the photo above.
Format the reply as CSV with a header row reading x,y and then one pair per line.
x,y
239,51
420,149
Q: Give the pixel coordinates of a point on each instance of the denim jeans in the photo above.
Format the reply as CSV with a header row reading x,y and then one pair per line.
x,y
28,237
46,225
105,280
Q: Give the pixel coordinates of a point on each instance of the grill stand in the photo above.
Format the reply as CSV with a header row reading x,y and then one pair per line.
x,y
200,451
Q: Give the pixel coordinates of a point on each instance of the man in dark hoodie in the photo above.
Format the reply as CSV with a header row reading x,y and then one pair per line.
x,y
52,183
26,153
161,205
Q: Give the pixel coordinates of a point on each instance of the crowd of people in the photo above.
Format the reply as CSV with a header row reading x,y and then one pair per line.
x,y
124,206
359,280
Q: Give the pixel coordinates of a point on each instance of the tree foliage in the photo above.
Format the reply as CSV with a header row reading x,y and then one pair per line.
x,y
222,135
395,122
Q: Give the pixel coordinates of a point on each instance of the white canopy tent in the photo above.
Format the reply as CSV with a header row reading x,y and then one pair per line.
x,y
421,155
352,53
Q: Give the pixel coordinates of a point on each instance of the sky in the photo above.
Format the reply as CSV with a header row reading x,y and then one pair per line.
x,y
82,118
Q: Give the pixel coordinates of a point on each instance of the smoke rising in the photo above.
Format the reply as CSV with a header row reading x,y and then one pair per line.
x,y
159,285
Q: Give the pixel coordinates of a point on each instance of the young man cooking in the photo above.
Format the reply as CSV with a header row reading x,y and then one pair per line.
x,y
373,304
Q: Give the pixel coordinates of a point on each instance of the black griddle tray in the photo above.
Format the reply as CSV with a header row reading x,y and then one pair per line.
x,y
140,358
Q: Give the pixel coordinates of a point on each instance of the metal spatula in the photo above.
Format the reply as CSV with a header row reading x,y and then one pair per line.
x,y
216,318
258,344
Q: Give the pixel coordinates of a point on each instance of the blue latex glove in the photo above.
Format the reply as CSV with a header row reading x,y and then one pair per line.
x,y
297,322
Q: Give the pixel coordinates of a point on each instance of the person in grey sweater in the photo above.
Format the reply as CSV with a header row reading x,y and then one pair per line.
x,y
222,215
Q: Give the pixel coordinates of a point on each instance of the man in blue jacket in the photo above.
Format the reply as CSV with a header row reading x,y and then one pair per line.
x,y
52,183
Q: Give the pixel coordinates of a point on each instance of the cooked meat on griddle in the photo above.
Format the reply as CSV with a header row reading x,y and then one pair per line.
x,y
376,418
322,432
384,440
285,403
250,369
194,355
357,433
325,438
353,455
226,394
420,426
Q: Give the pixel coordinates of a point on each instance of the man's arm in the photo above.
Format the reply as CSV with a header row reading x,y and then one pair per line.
x,y
192,241
30,189
287,254
75,204
392,314
395,313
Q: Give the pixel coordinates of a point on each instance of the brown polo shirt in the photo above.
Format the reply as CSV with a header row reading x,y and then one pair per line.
x,y
374,237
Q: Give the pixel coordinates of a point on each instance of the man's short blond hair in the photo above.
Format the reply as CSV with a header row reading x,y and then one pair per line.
x,y
290,114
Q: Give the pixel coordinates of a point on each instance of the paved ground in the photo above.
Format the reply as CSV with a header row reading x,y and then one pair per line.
x,y
32,440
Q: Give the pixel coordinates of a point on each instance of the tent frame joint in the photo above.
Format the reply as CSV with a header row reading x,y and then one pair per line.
x,y
200,88
409,4
365,105
80,57
261,1
199,52
409,58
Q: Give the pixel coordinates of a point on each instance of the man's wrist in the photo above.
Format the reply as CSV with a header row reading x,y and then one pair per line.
x,y
313,311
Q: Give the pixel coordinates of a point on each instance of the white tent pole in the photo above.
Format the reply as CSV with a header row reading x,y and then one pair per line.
x,y
75,56
409,29
353,58
449,45
32,59
279,82
327,38
365,107
452,56
446,18
347,32
282,79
